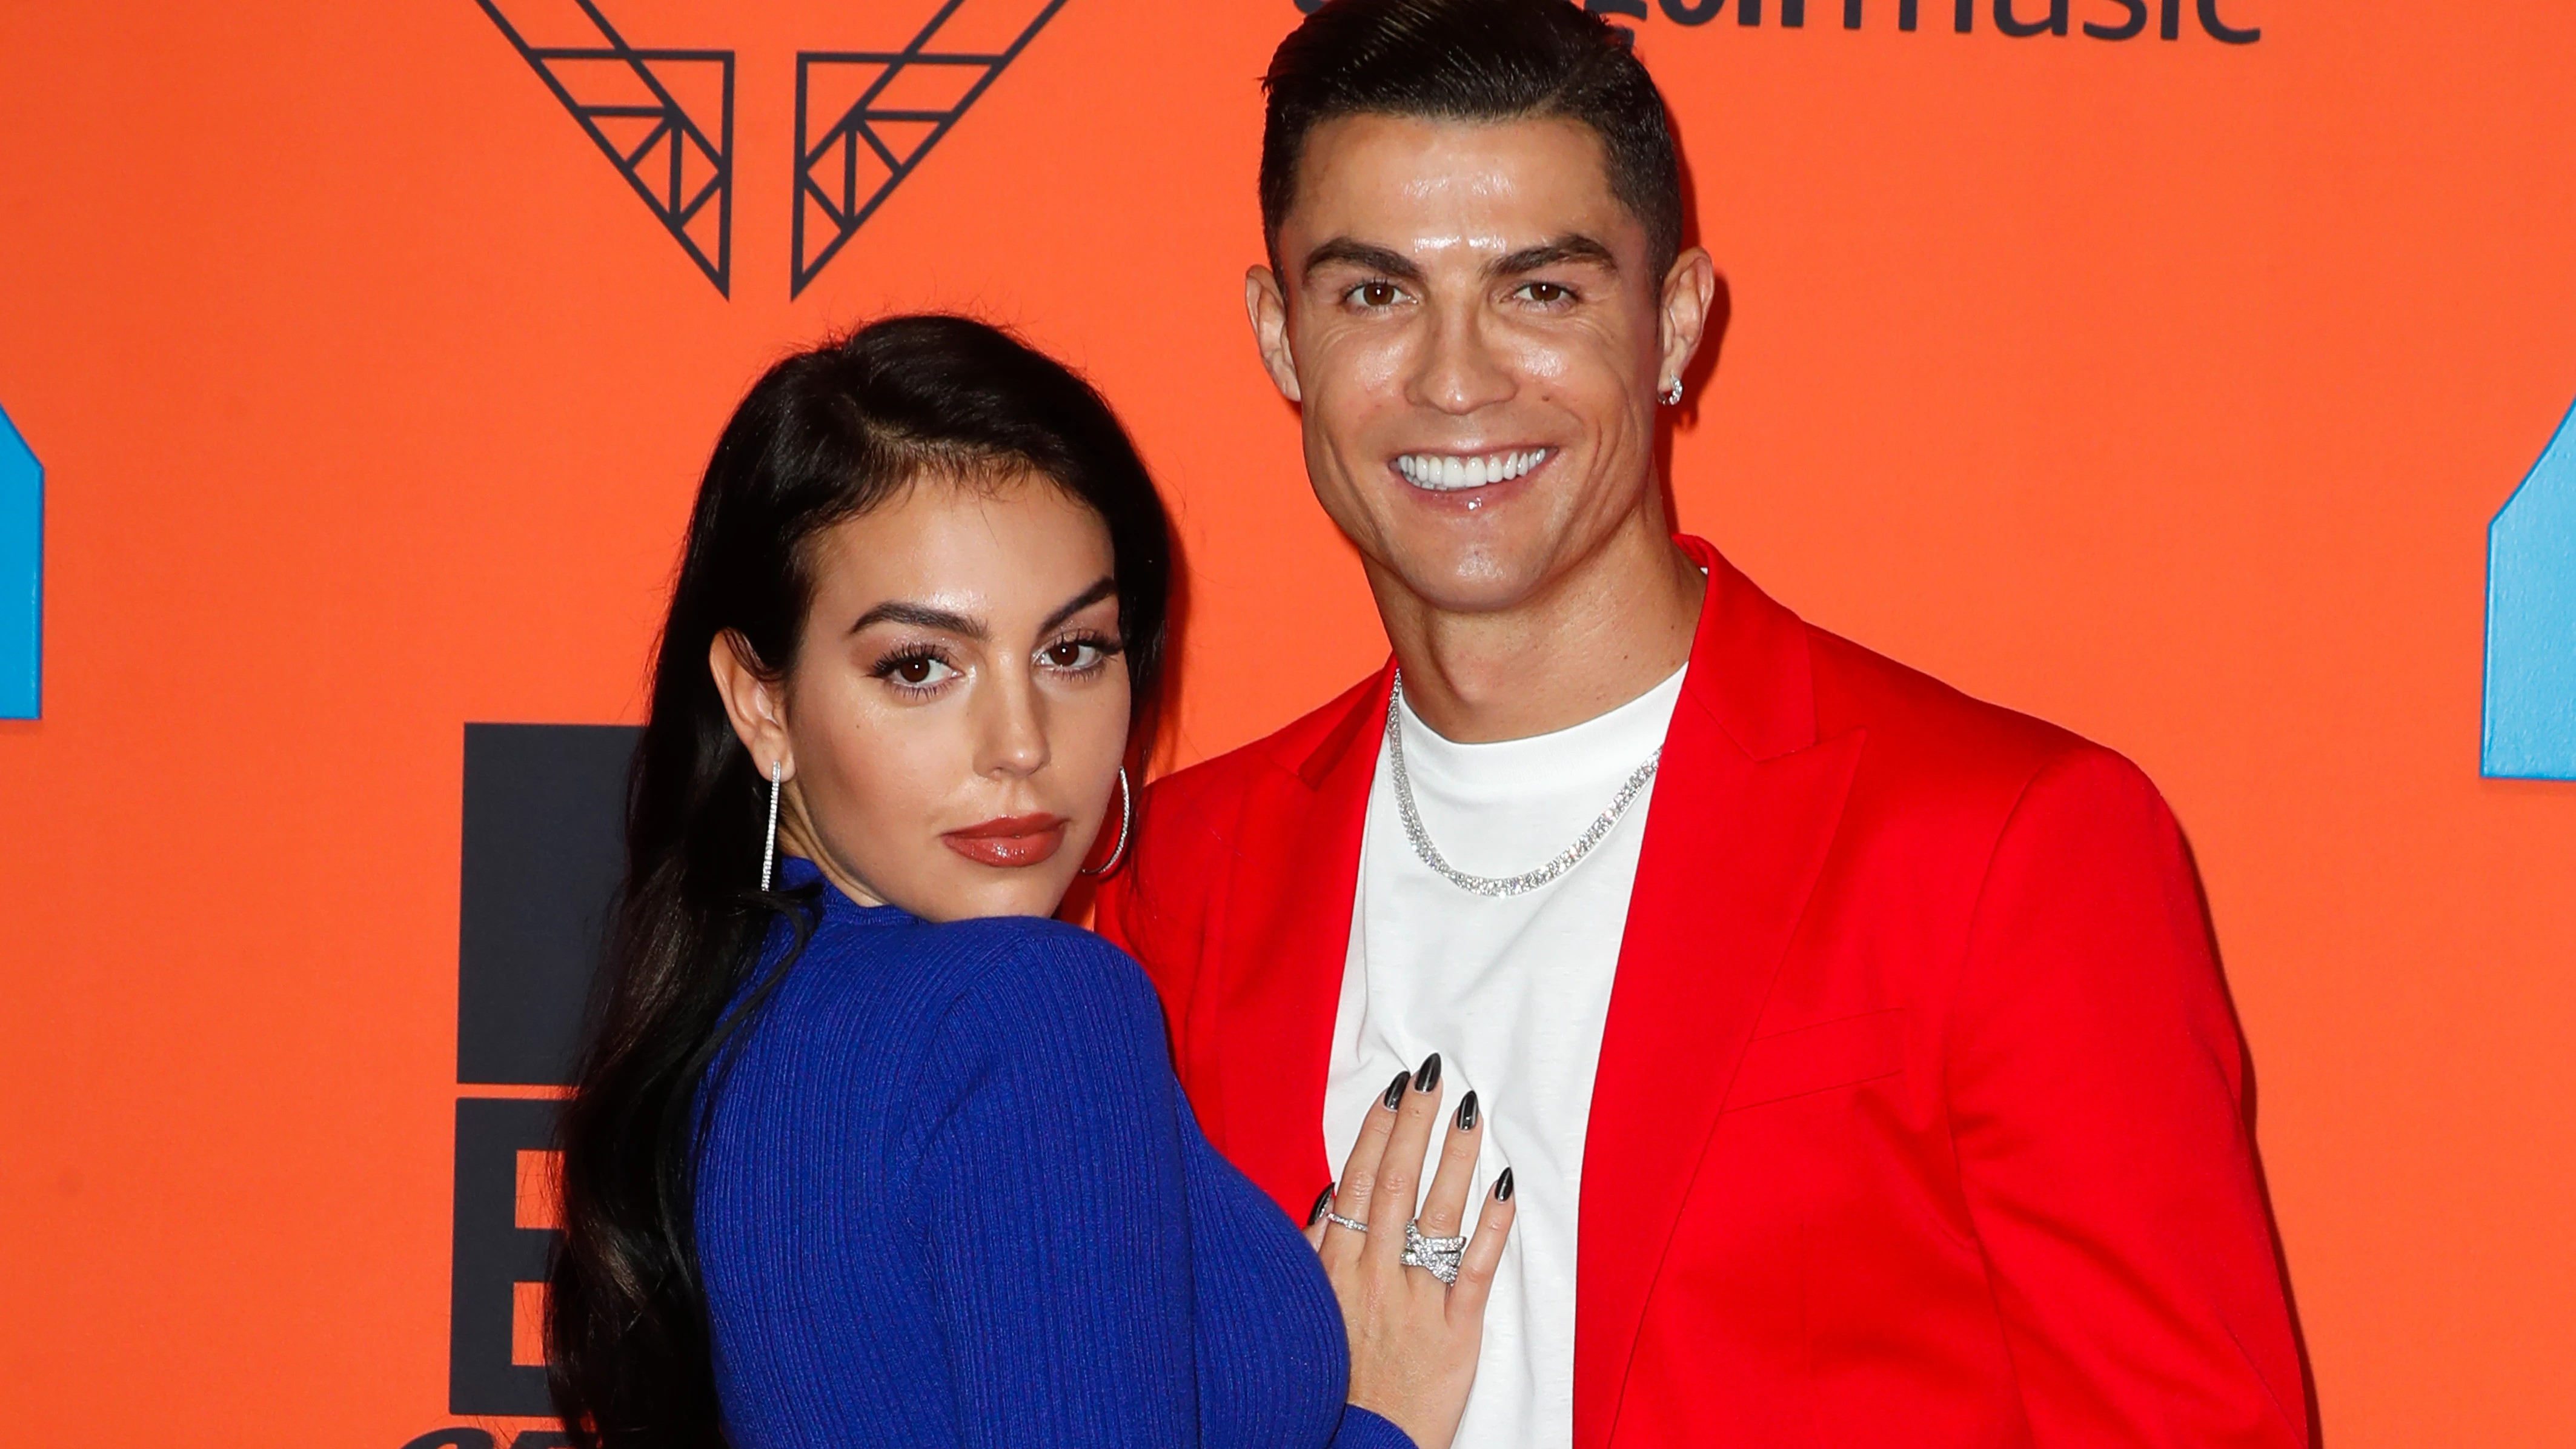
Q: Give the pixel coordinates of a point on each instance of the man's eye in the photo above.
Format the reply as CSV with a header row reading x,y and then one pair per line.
x,y
1376,294
1545,293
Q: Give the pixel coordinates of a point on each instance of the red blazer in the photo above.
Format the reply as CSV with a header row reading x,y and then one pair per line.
x,y
1919,1119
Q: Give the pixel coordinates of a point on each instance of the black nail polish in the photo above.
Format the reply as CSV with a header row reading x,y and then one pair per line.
x,y
1395,1090
1323,1200
1429,1076
1467,1113
1503,1186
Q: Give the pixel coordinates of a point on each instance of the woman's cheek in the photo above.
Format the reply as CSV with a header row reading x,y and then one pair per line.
x,y
879,805
1099,719
905,767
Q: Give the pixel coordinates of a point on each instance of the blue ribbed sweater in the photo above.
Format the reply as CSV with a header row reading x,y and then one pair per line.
x,y
951,1195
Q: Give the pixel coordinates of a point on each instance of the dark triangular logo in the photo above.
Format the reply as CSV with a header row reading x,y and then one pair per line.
x,y
650,112
864,120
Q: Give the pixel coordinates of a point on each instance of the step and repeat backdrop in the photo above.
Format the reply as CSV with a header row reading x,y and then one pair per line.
x,y
2162,367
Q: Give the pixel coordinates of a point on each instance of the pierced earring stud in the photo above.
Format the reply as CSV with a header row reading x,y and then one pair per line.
x,y
1672,393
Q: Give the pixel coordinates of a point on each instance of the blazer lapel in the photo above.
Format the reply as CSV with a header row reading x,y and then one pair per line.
x,y
1745,806
1286,937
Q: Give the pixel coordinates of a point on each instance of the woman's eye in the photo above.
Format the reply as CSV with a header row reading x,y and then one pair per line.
x,y
917,671
1073,654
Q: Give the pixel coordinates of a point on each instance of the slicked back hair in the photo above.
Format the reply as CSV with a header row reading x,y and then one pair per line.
x,y
1473,60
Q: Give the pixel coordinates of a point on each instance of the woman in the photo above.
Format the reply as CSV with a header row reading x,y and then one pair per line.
x,y
866,1149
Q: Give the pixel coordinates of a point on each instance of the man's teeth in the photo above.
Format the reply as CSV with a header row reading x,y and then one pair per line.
x,y
1444,471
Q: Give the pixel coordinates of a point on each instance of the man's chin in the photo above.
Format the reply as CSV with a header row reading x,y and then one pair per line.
x,y
1479,581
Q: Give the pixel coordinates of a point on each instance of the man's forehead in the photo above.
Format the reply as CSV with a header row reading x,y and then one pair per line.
x,y
1510,183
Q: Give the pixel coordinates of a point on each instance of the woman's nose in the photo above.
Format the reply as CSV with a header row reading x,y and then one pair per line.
x,y
1012,726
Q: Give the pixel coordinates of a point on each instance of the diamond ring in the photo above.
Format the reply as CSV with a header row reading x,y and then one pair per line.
x,y
1440,1255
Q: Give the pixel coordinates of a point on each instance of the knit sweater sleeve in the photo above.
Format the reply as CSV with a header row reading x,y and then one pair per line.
x,y
1052,1204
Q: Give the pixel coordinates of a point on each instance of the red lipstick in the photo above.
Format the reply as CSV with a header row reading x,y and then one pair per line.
x,y
1009,840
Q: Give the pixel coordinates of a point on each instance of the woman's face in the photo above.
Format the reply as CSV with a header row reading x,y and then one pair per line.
x,y
952,730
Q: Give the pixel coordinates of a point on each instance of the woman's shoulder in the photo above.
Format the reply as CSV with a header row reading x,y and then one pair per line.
x,y
1044,972
923,1020
1040,1020
988,973
1025,937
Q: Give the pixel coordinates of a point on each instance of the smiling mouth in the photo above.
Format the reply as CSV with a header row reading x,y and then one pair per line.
x,y
1453,472
1011,842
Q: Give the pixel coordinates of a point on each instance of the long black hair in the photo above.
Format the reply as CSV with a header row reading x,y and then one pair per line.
x,y
825,435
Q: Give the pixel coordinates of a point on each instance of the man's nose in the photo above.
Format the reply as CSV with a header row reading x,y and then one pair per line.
x,y
1460,369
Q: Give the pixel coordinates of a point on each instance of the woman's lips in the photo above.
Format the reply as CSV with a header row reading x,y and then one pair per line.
x,y
1011,841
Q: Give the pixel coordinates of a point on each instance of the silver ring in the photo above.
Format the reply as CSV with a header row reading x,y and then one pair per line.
x,y
1354,1224
1440,1255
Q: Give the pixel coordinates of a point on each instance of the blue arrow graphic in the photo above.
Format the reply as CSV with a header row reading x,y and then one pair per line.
x,y
2531,622
22,574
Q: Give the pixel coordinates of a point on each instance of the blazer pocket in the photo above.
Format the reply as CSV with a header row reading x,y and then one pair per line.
x,y
1819,1058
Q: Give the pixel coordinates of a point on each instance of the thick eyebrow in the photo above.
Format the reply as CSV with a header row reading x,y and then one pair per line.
x,y
1105,587
922,616
1364,256
949,621
1572,247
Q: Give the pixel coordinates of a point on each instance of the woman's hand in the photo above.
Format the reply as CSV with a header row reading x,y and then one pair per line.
x,y
1413,1338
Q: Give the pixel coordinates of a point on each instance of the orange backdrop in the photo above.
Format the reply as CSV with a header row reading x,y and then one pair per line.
x,y
2161,388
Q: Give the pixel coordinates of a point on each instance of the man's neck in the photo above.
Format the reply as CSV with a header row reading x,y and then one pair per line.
x,y
1608,630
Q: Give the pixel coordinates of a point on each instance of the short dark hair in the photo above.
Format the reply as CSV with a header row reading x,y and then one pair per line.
x,y
1473,60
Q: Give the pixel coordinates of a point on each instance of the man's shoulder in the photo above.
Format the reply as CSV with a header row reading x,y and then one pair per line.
x,y
1929,742
1195,824
1215,788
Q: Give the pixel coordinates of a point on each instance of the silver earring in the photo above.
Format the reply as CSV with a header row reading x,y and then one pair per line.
x,y
1126,820
1672,393
769,851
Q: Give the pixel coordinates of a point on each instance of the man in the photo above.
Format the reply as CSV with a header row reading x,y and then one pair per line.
x,y
1857,1047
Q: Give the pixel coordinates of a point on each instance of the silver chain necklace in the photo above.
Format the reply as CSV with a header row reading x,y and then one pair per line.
x,y
1510,885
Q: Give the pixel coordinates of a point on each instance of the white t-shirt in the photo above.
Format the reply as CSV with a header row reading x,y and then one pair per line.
x,y
1512,993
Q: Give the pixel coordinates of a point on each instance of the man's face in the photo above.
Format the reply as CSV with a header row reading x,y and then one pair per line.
x,y
1467,318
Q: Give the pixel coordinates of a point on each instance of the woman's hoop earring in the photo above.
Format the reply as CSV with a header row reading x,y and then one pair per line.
x,y
1672,393
1126,822
769,850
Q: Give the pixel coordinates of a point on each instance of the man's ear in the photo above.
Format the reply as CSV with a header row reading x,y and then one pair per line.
x,y
1268,308
1690,288
754,704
